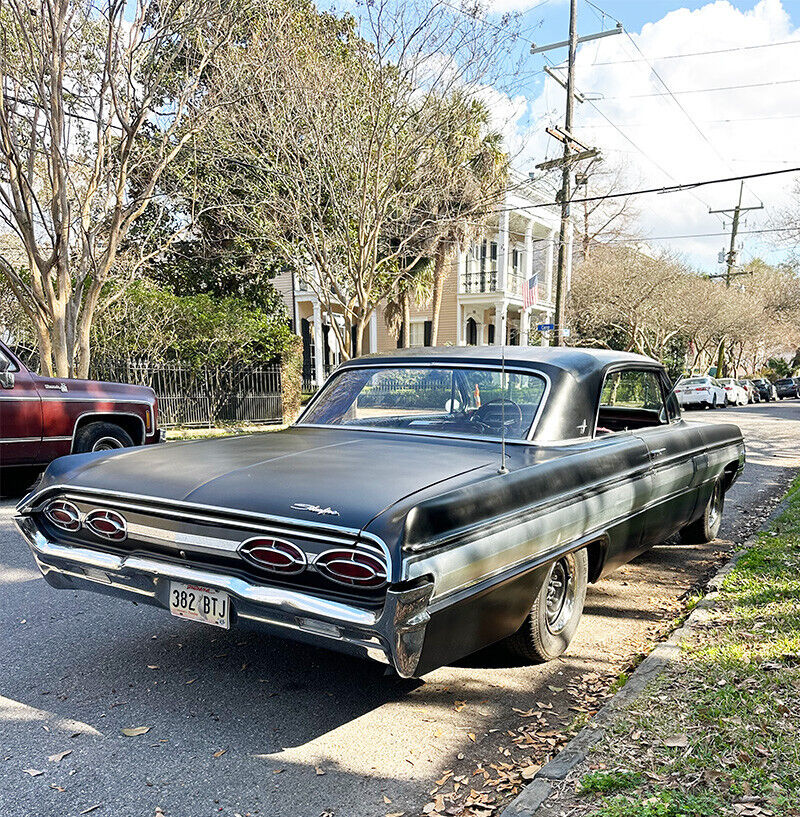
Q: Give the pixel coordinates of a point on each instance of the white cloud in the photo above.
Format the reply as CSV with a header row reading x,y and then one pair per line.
x,y
743,131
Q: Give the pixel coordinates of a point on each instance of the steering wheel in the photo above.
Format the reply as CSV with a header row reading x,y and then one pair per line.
x,y
491,414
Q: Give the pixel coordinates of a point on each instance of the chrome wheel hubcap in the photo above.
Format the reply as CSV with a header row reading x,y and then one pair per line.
x,y
107,444
560,598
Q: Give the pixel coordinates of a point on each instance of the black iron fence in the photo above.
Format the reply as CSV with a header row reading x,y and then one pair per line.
x,y
205,396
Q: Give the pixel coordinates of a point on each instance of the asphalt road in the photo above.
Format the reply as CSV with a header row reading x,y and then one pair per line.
x,y
244,724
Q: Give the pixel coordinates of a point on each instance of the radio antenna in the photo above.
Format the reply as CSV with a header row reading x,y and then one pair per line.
x,y
502,469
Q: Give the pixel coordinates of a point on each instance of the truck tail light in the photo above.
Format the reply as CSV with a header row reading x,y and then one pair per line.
x,y
63,515
353,568
148,421
274,555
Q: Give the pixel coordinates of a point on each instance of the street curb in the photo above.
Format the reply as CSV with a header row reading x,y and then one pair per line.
x,y
529,801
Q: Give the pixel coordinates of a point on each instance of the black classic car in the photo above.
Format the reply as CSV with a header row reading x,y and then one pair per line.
x,y
427,503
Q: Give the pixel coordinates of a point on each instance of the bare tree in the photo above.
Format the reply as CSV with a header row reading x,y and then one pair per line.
x,y
94,98
338,131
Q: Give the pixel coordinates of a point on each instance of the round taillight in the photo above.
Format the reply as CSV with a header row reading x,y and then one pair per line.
x,y
108,524
63,515
274,555
353,568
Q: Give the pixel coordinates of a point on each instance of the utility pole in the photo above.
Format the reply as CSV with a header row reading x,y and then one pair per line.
x,y
730,261
573,152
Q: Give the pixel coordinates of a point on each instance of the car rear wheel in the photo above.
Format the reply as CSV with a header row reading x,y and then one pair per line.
x,y
102,437
549,627
706,528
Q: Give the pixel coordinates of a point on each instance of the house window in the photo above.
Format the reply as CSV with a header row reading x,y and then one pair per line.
x,y
417,334
493,256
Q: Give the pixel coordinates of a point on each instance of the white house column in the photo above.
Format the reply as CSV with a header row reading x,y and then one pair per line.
x,y
529,253
524,324
552,239
319,366
502,252
500,318
373,333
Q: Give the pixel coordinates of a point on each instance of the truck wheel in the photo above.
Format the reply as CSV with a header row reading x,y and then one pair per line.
x,y
548,628
101,437
706,528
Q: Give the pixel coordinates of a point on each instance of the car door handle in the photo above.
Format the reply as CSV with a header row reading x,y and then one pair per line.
x,y
657,452
57,386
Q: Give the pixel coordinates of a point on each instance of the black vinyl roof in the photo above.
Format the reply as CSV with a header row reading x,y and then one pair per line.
x,y
577,361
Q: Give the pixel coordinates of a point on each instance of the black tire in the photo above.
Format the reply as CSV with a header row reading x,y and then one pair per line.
x,y
101,437
706,528
549,627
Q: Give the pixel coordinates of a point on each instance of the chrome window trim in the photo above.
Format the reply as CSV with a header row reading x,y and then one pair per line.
x,y
617,367
495,367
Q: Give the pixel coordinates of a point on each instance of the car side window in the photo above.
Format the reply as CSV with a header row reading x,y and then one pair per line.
x,y
630,399
6,364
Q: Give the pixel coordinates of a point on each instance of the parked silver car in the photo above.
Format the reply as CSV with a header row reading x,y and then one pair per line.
x,y
701,392
735,392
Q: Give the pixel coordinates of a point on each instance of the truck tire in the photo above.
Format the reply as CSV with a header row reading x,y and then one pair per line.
x,y
706,528
101,436
549,627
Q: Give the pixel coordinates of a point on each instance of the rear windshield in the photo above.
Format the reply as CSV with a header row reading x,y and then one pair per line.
x,y
785,381
458,402
693,381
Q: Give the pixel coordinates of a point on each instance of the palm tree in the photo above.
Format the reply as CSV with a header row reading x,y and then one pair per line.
x,y
471,159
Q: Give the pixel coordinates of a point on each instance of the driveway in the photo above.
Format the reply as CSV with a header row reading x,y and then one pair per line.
x,y
244,724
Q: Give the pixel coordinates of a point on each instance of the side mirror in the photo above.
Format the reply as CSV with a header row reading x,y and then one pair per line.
x,y
7,380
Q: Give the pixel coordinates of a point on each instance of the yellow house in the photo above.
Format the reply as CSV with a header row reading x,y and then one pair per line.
x,y
483,299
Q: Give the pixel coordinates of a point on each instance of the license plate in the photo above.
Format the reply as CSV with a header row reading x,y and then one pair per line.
x,y
198,603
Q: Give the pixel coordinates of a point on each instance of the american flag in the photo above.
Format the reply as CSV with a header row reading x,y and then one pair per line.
x,y
530,292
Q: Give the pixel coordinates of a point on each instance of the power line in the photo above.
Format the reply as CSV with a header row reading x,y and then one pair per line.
x,y
708,90
675,188
703,53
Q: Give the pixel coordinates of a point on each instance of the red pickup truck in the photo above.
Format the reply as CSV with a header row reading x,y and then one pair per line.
x,y
42,418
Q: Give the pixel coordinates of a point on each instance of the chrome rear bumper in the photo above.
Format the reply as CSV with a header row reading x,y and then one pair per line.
x,y
393,634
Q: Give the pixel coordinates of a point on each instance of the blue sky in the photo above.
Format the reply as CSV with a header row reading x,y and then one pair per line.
x,y
733,111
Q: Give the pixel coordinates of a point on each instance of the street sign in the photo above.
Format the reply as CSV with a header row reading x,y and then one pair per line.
x,y
545,327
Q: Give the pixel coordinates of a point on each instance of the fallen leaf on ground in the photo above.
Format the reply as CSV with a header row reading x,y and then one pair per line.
x,y
32,772
318,770
59,756
677,741
529,772
459,705
220,752
133,731
91,808
471,736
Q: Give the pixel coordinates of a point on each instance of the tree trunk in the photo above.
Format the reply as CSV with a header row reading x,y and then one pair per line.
x,y
443,257
406,330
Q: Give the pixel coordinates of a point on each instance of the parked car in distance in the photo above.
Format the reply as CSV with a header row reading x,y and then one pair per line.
x,y
42,418
700,392
786,387
735,393
766,390
752,392
427,503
